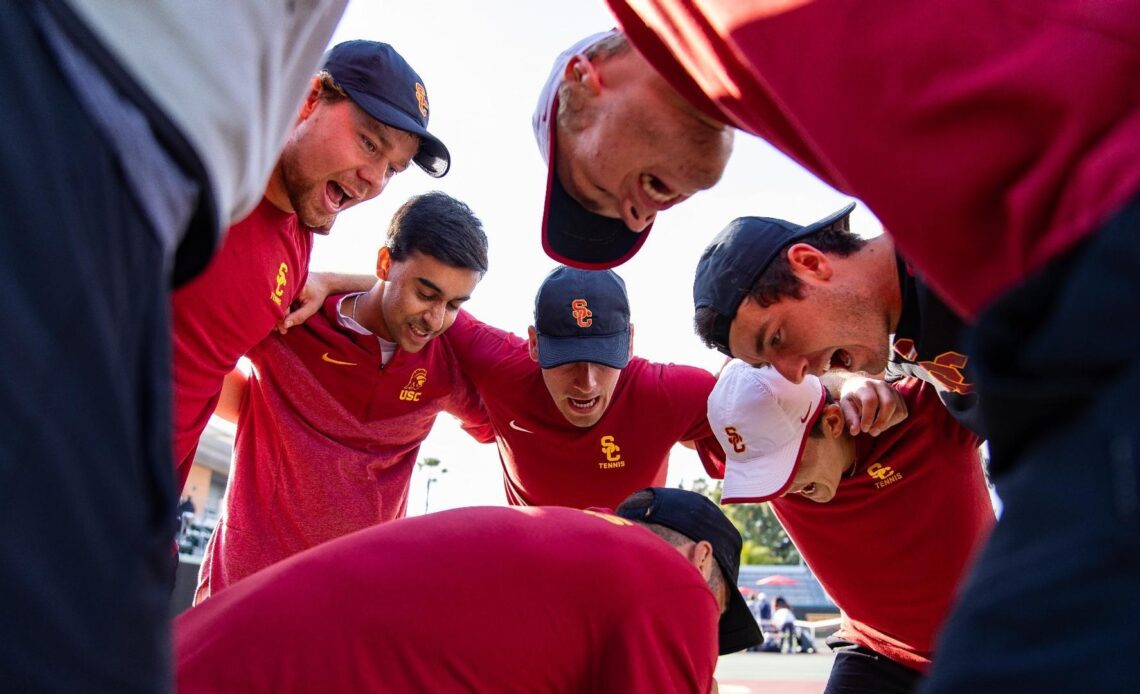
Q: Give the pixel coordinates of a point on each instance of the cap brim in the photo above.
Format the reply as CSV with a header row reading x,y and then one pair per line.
x,y
767,476
432,156
577,237
608,350
738,628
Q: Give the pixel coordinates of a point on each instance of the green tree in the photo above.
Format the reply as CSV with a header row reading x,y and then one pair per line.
x,y
765,541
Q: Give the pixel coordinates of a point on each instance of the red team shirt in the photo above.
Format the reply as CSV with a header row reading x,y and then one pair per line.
x,y
547,460
326,442
894,543
229,308
984,144
469,600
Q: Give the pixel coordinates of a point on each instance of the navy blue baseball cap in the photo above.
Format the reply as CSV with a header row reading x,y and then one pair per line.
x,y
582,315
381,82
738,255
697,518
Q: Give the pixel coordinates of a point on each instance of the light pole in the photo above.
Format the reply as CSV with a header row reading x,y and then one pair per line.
x,y
431,464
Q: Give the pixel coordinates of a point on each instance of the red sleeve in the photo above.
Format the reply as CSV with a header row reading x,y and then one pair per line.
x,y
686,390
483,351
466,405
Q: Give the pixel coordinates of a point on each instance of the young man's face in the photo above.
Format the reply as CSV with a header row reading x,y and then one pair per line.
x,y
338,156
422,296
635,147
824,460
581,390
828,328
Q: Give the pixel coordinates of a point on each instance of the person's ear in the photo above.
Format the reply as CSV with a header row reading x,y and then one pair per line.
x,y
833,424
580,70
702,558
383,262
532,342
312,100
809,263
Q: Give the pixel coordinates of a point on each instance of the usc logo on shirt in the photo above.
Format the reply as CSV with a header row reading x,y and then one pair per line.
x,y
946,368
582,314
735,439
883,475
612,452
411,392
279,290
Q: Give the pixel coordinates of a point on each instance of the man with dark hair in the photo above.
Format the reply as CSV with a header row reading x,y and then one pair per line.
x,y
330,422
364,120
646,597
568,404
915,496
807,299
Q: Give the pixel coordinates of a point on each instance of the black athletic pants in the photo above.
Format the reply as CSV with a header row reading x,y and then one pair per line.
x,y
859,670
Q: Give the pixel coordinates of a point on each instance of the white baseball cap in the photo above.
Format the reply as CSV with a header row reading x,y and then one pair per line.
x,y
762,421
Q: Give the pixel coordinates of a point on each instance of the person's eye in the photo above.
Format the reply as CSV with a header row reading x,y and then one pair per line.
x,y
776,339
368,144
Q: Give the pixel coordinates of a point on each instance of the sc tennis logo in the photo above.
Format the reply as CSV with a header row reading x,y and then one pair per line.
x,y
411,392
581,313
612,452
883,475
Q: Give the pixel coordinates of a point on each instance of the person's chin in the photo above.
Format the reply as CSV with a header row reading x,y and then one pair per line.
x,y
412,347
581,421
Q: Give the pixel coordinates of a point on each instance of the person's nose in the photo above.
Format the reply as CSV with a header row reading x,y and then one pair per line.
x,y
635,219
375,177
793,368
586,377
435,316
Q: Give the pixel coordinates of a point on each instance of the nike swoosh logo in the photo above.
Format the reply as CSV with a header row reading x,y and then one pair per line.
x,y
516,427
804,418
326,357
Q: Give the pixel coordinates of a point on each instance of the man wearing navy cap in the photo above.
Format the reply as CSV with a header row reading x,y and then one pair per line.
x,y
807,299
621,145
646,598
363,121
568,405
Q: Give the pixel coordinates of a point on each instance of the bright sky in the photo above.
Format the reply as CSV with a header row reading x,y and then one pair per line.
x,y
483,64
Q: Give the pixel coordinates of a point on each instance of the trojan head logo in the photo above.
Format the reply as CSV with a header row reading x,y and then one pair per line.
x,y
421,99
411,392
581,313
735,439
279,290
946,368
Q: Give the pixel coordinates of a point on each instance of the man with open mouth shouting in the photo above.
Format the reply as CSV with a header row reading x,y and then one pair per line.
x,y
578,419
363,121
808,299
